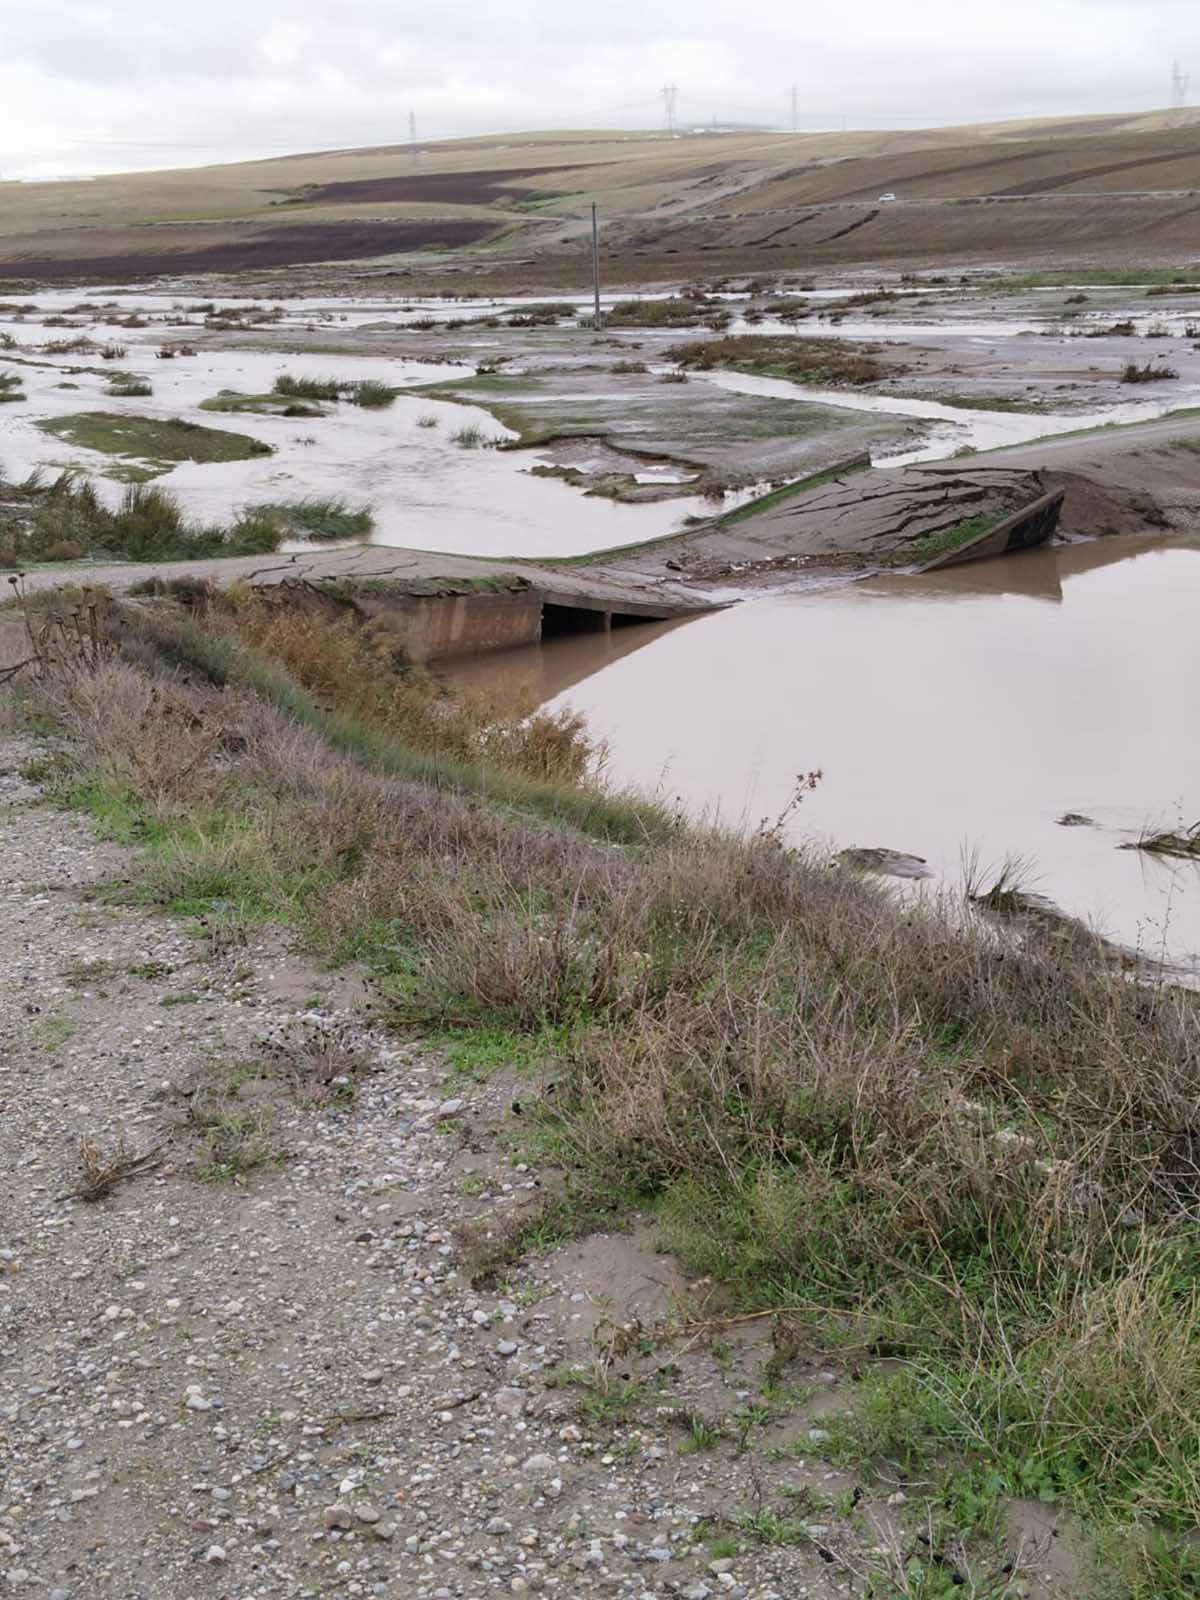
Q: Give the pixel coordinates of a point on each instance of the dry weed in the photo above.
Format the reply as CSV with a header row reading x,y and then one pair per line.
x,y
318,1062
340,662
101,1171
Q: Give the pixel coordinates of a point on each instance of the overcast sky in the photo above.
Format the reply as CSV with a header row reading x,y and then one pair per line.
x,y
103,85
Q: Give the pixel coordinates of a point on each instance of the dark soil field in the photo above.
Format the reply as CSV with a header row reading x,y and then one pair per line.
x,y
252,250
479,188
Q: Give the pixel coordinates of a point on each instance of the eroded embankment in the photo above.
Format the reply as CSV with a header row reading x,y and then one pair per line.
x,y
1119,481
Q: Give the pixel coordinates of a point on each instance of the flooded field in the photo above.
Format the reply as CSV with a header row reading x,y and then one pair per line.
x,y
956,427
952,713
963,712
424,489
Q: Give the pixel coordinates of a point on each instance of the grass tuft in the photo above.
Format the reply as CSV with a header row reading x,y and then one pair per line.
x,y
830,362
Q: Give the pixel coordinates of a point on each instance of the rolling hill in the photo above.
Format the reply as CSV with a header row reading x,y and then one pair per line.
x,y
515,209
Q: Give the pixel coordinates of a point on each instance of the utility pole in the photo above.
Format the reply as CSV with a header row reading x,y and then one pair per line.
x,y
1180,83
795,108
412,134
669,92
596,264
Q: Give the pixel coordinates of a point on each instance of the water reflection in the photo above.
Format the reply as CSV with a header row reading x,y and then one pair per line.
x,y
969,708
552,668
1034,574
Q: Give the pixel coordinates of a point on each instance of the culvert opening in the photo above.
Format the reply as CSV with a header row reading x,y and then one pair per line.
x,y
560,620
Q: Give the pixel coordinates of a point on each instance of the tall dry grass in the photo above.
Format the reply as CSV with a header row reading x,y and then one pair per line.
x,y
340,662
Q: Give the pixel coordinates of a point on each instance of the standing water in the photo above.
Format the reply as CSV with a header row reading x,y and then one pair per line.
x,y
956,712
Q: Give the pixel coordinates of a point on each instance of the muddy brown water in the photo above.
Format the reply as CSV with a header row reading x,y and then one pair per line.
x,y
953,712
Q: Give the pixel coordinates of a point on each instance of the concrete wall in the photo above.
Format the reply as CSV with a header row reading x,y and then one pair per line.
x,y
424,628
1033,524
426,624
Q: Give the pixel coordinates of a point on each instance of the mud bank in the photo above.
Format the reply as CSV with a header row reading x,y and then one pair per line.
x,y
1133,480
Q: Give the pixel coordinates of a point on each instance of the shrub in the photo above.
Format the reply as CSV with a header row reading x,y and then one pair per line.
x,y
1148,373
148,525
682,311
344,666
64,550
318,518
470,437
367,392
307,388
823,361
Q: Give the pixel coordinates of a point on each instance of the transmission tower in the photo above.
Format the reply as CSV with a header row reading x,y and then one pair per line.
x,y
1180,83
412,134
669,93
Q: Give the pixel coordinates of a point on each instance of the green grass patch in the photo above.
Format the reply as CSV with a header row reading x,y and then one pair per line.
x,y
321,519
1099,277
971,402
940,544
264,405
158,443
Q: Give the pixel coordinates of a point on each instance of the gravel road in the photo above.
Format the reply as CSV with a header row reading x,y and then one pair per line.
x,y
283,1382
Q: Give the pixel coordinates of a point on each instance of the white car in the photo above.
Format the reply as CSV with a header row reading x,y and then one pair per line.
x,y
886,199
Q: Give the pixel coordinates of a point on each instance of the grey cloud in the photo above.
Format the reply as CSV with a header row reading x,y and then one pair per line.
x,y
232,77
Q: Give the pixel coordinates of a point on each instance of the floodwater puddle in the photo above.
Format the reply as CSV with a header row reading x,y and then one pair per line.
x,y
958,428
962,711
426,490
